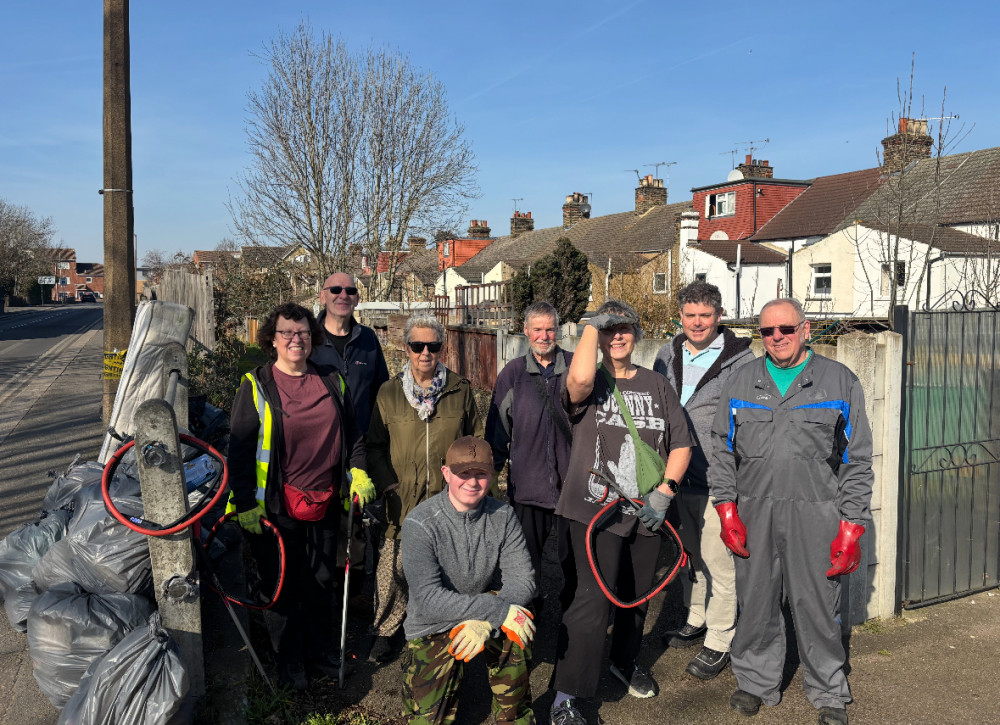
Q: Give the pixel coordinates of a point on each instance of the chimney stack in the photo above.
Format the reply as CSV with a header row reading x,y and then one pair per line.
x,y
910,144
752,168
575,209
417,242
520,223
478,229
650,192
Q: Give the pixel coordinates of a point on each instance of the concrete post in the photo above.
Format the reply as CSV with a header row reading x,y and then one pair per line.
x,y
176,393
886,427
164,499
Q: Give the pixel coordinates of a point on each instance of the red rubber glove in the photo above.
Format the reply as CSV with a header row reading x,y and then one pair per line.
x,y
734,533
845,551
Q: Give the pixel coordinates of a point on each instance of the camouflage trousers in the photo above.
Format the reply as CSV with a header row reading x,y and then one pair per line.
x,y
432,676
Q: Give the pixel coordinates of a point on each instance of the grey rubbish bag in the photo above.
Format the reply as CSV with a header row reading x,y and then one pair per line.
x,y
98,553
19,552
65,487
142,681
69,630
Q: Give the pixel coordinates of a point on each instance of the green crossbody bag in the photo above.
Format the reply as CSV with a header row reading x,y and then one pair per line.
x,y
649,466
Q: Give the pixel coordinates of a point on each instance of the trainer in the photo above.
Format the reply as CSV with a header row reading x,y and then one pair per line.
x,y
791,457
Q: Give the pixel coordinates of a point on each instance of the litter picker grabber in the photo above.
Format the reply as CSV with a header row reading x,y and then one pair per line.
x,y
347,592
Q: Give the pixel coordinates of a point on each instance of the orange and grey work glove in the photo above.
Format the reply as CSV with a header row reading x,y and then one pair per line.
x,y
468,639
250,520
362,487
519,626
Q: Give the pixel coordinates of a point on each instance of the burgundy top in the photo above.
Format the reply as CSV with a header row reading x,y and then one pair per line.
x,y
311,449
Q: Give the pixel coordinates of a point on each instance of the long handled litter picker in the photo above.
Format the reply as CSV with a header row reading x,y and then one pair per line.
x,y
347,592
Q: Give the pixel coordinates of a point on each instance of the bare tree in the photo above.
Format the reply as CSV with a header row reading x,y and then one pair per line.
x,y
348,148
156,261
24,239
904,214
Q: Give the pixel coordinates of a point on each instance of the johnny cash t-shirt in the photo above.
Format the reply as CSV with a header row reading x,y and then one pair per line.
x,y
601,441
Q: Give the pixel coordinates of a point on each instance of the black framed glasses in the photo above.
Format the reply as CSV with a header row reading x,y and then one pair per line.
x,y
786,330
418,347
337,289
290,334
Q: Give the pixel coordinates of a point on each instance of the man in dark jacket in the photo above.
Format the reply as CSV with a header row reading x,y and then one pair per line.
x,y
697,363
527,426
792,457
349,346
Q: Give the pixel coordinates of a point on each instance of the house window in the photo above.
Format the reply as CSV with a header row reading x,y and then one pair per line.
x,y
701,277
722,204
446,247
659,283
822,280
887,277
89,280
64,265
64,280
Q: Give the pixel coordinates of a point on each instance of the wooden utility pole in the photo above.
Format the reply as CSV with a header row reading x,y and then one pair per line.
x,y
119,252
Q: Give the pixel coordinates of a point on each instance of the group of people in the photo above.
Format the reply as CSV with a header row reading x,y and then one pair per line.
x,y
778,446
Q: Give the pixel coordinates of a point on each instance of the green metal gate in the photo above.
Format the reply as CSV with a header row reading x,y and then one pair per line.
x,y
949,529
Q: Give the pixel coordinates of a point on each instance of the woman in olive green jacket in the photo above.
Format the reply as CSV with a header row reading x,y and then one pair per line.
x,y
418,415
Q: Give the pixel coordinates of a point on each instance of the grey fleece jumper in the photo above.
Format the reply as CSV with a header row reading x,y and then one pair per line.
x,y
452,559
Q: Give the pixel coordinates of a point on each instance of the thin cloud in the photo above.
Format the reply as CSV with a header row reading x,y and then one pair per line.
x,y
571,39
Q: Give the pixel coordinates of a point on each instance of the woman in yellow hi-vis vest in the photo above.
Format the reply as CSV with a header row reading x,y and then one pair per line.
x,y
294,452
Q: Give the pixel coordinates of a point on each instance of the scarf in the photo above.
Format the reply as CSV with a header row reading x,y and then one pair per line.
x,y
423,401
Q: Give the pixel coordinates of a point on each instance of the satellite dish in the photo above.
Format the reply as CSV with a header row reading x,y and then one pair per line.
x,y
585,210
719,235
734,175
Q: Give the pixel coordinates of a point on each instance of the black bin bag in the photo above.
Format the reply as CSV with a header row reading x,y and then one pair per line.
x,y
19,552
141,681
70,629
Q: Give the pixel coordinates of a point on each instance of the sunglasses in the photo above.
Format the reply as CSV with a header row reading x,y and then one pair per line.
x,y
418,347
786,330
290,334
337,289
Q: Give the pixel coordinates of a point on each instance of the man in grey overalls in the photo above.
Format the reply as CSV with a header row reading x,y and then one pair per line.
x,y
791,457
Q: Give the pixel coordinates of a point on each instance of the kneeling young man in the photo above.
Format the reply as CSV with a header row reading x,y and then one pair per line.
x,y
457,548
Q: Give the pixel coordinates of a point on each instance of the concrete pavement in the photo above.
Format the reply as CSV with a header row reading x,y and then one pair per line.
x,y
56,421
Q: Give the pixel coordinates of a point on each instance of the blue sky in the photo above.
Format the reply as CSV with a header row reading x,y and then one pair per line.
x,y
555,97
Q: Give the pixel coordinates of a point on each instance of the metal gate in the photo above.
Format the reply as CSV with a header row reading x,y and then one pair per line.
x,y
949,513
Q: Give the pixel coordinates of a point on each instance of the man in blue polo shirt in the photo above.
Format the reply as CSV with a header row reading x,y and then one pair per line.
x,y
697,363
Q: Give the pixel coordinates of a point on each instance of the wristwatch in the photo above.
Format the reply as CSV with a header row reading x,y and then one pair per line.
x,y
672,485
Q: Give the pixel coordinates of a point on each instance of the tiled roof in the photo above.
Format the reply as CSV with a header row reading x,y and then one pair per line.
x,y
262,256
423,263
966,188
818,210
750,253
90,269
613,236
59,254
212,257
946,239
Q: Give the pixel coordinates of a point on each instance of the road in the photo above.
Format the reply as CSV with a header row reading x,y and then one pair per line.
x,y
50,411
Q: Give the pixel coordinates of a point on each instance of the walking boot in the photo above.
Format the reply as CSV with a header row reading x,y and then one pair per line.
x,y
707,664
744,703
832,716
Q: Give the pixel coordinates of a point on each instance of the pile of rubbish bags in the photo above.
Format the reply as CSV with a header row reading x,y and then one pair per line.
x,y
81,585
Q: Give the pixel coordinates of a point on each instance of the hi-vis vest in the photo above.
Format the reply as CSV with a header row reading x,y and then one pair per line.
x,y
263,455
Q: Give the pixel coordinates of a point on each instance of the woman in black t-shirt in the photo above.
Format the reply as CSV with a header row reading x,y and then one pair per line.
x,y
625,550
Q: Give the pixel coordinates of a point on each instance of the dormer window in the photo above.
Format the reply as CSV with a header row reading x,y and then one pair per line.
x,y
722,204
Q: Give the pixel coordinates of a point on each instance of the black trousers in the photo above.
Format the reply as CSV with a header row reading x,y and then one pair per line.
x,y
628,565
537,523
302,625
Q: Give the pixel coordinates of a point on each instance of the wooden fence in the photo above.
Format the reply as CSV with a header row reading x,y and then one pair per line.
x,y
469,351
195,291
